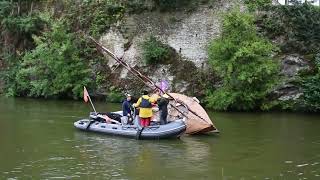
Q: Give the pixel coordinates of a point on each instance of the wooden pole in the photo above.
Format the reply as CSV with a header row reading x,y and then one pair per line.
x,y
140,76
91,101
92,105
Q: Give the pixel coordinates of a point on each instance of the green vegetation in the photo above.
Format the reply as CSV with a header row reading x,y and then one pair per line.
x,y
93,17
54,68
297,25
253,5
296,28
114,95
154,51
18,23
46,54
44,58
311,88
243,60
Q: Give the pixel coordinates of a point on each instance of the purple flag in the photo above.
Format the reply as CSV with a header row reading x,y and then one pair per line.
x,y
164,85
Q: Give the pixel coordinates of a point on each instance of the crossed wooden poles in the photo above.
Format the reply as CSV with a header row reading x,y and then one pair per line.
x,y
142,77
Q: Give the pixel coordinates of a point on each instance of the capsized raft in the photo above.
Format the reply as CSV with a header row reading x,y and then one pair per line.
x,y
174,129
195,124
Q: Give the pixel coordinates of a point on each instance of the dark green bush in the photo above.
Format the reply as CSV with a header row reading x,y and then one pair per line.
x,y
311,89
7,75
154,51
94,17
54,68
244,62
298,25
257,4
114,95
17,28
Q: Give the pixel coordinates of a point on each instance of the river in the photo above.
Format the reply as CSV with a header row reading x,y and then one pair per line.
x,y
38,141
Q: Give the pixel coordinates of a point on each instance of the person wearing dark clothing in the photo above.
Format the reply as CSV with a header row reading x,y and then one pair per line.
x,y
163,108
126,109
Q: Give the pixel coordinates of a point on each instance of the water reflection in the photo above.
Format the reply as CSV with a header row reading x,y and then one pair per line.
x,y
144,158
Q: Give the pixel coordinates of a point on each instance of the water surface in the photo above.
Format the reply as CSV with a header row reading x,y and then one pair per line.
x,y
38,141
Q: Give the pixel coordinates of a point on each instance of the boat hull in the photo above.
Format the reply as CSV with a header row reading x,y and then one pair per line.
x,y
171,130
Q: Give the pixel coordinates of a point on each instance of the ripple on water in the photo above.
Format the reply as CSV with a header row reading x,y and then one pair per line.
x,y
302,165
60,158
64,177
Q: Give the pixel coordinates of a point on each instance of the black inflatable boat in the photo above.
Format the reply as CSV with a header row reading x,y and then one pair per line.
x,y
174,129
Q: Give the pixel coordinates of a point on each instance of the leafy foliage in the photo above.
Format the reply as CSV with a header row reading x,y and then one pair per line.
x,y
17,25
297,24
94,17
17,28
114,95
54,68
257,4
43,71
154,51
311,89
244,62
7,75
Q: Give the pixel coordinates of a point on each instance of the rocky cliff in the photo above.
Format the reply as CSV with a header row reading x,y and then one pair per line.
x,y
188,33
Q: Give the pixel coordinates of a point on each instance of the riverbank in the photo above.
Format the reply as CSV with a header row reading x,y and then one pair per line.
x,y
183,43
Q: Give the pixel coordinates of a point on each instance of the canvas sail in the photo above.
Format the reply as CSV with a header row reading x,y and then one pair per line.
x,y
195,124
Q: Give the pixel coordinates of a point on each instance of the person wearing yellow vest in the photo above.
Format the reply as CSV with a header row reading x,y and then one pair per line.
x,y
145,108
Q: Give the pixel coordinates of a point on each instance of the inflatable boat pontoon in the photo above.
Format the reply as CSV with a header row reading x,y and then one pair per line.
x,y
174,129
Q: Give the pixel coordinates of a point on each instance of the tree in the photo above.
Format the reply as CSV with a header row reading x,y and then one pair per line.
x,y
244,62
54,68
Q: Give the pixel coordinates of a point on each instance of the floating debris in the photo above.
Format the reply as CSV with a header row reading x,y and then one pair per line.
x,y
313,164
288,162
300,174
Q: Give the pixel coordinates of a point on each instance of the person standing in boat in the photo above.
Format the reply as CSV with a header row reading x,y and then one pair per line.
x,y
163,108
126,110
145,108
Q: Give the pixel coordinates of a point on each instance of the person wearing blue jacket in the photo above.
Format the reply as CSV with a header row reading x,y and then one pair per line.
x,y
126,109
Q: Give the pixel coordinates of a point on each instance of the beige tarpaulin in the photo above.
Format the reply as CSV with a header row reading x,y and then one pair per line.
x,y
195,124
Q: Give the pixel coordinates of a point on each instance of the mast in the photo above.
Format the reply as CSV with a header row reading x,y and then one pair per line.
x,y
142,77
